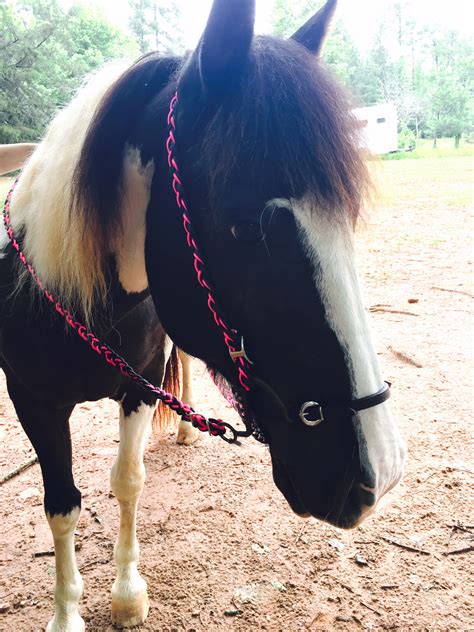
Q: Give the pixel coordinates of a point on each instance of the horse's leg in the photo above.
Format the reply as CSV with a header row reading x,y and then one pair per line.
x,y
129,591
48,430
186,433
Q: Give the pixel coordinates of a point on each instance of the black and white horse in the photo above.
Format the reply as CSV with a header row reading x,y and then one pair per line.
x,y
48,372
274,184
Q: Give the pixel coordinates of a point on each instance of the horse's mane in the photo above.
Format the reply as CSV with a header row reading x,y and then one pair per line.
x,y
287,117
60,239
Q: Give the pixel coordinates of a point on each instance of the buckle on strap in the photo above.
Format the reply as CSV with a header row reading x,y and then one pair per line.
x,y
240,353
311,414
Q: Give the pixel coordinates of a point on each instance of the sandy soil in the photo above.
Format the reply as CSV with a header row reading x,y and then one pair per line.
x,y
220,548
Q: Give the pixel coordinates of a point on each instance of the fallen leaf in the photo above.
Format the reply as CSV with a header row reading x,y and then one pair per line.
x,y
336,544
261,549
278,585
361,561
29,492
232,613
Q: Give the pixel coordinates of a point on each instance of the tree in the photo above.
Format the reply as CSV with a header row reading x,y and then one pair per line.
x,y
157,25
287,17
339,53
450,86
45,52
426,73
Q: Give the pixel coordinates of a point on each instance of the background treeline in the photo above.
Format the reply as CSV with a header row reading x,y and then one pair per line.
x,y
46,50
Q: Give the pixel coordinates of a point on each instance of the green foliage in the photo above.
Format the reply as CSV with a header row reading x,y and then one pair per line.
x,y
406,138
424,149
289,16
156,25
450,86
426,73
45,52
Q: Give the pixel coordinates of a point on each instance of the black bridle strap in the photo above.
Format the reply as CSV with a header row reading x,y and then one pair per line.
x,y
328,409
370,401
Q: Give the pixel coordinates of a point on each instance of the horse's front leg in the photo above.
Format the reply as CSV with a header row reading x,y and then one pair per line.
x,y
48,430
187,435
129,591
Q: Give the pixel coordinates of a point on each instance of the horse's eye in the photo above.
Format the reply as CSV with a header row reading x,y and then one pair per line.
x,y
248,232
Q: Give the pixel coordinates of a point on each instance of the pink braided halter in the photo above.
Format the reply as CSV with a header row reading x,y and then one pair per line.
x,y
215,427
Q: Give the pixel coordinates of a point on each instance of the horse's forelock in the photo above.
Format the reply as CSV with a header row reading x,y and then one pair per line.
x,y
287,116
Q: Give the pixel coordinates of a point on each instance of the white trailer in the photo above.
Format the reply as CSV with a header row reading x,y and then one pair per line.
x,y
378,127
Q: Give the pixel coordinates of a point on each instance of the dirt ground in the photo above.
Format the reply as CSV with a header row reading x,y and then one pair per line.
x,y
220,549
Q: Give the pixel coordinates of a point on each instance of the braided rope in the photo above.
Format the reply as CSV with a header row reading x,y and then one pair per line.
x,y
215,427
229,335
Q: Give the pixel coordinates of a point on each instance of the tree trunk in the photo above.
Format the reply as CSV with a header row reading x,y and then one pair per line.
x,y
434,142
457,140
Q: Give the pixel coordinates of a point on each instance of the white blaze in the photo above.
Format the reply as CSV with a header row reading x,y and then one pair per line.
x,y
329,245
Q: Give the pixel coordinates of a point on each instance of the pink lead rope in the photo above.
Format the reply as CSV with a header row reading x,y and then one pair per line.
x,y
215,427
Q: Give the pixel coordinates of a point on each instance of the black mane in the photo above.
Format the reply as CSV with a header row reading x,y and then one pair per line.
x,y
287,116
98,175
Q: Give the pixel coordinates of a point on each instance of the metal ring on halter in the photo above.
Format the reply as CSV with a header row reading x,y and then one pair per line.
x,y
241,353
304,412
235,434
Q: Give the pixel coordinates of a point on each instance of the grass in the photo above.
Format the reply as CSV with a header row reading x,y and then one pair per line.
x,y
424,149
427,183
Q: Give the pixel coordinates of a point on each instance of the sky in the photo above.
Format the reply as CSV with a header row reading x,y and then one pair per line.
x,y
360,16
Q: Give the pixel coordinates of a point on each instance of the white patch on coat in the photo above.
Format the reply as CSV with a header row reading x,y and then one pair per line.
x,y
69,586
61,248
130,252
127,478
4,240
328,241
167,349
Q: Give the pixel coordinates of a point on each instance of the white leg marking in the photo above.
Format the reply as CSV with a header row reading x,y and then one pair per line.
x,y
129,591
69,586
329,244
187,434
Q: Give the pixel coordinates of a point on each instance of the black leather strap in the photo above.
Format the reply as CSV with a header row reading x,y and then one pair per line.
x,y
371,400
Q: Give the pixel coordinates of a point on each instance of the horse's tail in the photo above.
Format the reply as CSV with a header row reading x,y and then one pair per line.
x,y
98,187
164,417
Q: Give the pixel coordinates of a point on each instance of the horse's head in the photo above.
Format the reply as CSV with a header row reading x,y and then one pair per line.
x,y
274,182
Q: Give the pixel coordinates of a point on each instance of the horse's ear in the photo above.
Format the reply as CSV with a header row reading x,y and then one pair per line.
x,y
226,41
312,34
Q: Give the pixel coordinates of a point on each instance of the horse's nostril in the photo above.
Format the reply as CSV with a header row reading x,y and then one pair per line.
x,y
367,495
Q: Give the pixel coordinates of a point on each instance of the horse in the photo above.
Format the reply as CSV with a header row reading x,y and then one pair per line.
x,y
13,157
49,372
228,182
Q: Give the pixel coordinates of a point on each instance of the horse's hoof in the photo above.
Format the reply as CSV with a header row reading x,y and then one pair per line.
x,y
66,623
187,434
130,613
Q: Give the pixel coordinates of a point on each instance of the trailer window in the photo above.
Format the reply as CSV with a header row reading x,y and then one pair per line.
x,y
381,120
